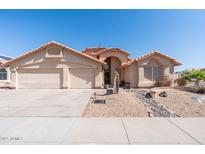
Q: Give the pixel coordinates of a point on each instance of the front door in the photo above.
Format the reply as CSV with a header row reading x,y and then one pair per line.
x,y
107,76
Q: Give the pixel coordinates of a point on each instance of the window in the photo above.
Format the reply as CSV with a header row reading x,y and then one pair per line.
x,y
152,73
157,73
148,73
54,51
3,74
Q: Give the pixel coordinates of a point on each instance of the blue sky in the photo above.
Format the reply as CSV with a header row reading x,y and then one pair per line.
x,y
178,33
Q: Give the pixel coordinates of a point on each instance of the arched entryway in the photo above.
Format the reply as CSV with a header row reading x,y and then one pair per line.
x,y
113,64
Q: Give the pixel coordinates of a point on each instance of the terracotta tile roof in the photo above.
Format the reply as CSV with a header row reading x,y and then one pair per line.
x,y
113,49
176,63
128,63
97,51
128,59
34,51
160,54
92,50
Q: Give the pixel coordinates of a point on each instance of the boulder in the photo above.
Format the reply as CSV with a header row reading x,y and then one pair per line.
x,y
163,94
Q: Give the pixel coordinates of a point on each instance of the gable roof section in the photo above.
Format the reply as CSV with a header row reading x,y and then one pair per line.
x,y
39,49
174,61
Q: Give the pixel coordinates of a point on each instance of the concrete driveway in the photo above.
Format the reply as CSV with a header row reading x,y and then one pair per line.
x,y
43,102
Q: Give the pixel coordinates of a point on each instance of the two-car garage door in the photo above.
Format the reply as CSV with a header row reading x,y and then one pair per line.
x,y
41,79
82,78
53,78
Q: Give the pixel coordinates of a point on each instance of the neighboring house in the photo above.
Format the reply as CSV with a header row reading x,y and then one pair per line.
x,y
195,69
55,65
4,72
177,75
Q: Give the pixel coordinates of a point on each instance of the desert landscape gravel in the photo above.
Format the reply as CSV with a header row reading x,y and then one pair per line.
x,y
126,104
181,103
123,104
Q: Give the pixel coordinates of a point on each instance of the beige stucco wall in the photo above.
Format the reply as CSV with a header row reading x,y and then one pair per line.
x,y
69,60
130,74
126,73
167,69
133,75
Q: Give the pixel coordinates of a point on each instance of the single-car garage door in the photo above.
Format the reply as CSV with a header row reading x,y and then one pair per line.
x,y
82,78
41,79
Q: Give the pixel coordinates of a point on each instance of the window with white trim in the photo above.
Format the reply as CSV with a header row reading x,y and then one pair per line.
x,y
3,74
54,51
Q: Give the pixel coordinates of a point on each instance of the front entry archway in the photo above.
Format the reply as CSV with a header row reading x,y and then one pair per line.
x,y
113,64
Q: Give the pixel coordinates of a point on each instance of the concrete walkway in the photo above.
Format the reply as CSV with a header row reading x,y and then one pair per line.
x,y
39,130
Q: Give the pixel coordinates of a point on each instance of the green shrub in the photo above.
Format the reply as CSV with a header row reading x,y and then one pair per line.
x,y
181,82
194,76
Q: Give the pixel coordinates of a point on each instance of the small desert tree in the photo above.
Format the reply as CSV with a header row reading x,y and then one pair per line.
x,y
194,76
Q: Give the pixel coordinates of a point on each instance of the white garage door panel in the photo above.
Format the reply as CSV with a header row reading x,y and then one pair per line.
x,y
39,79
82,78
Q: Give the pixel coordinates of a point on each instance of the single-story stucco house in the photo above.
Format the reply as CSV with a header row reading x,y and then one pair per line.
x,y
55,65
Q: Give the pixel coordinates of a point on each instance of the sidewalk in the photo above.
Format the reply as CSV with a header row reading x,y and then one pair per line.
x,y
34,130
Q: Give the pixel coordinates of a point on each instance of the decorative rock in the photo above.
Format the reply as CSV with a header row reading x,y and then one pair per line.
x,y
109,91
148,95
163,94
154,109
